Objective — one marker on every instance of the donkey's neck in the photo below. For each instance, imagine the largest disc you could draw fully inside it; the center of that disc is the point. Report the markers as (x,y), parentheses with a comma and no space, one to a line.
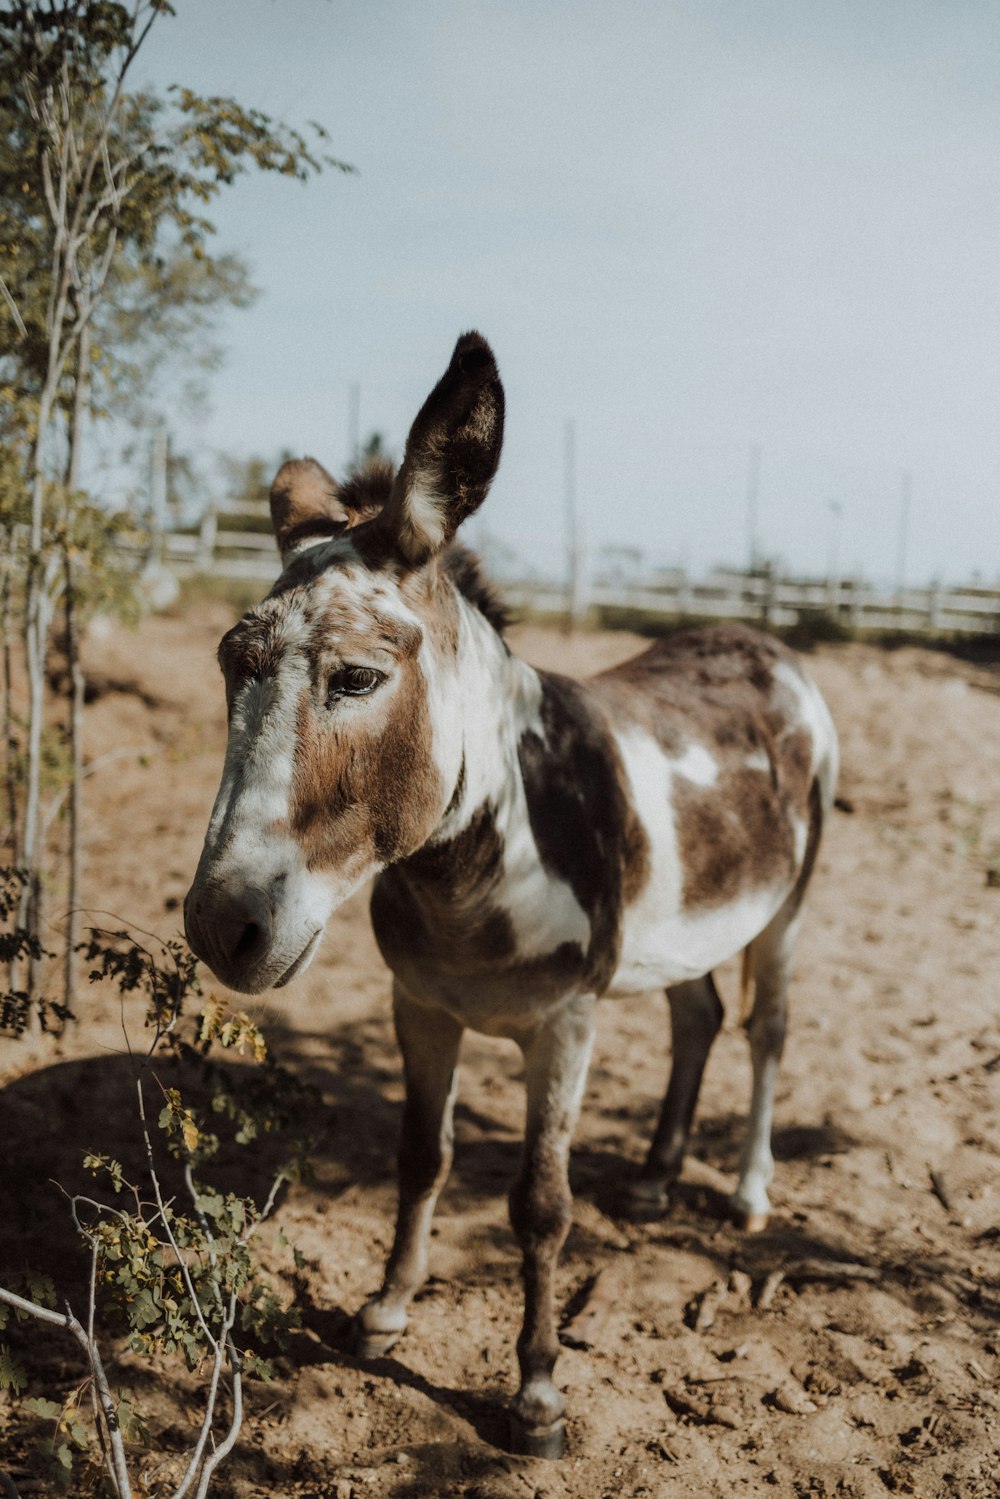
(491,701)
(480,899)
(521,882)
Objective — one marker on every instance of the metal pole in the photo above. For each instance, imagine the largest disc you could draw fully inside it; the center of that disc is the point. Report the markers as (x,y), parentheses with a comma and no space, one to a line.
(354,426)
(574,534)
(753,493)
(905,492)
(833,552)
(158,492)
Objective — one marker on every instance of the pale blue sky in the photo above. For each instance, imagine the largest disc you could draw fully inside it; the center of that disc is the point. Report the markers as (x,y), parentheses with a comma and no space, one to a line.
(689,226)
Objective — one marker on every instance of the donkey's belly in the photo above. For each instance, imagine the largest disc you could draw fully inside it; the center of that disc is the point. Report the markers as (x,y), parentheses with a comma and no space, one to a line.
(670,945)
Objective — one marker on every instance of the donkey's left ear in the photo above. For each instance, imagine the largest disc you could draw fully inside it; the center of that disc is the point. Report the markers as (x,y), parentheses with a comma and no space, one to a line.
(305,506)
(451,454)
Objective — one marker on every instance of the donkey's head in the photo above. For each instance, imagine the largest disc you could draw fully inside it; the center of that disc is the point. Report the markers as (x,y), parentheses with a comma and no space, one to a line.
(342,755)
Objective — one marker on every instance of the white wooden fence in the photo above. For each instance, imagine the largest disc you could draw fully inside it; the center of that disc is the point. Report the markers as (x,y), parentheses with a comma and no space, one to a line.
(778,601)
(761,598)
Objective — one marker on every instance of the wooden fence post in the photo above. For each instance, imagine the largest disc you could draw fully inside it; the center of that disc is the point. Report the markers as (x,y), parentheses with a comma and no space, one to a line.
(206,540)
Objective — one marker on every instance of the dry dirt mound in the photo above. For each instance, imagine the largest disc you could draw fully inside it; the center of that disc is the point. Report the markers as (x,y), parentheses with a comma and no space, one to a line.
(852,1349)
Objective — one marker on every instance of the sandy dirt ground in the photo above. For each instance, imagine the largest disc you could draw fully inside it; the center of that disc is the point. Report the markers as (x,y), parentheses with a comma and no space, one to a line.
(716,1364)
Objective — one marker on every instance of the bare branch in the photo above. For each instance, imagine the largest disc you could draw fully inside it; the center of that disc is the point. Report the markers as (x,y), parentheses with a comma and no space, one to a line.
(110,176)
(206,1227)
(32,1309)
(191,1472)
(91,1202)
(227,1445)
(91,1308)
(12,306)
(95,154)
(50,197)
(267,1209)
(119,1465)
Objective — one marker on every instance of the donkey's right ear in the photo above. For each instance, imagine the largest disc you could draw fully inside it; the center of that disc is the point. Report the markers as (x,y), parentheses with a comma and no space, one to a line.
(451,454)
(305,505)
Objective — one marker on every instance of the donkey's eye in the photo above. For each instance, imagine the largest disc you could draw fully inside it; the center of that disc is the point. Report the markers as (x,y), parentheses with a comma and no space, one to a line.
(352,681)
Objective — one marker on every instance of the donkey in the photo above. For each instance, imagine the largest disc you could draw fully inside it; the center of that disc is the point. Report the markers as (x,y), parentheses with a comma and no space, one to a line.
(536,843)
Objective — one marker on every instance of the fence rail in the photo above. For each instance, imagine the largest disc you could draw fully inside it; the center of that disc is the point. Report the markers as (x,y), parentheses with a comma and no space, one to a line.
(968,609)
(781,602)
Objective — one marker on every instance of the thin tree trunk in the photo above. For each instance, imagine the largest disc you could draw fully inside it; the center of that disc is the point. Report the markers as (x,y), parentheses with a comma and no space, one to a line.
(37,614)
(10,743)
(77,681)
(36,639)
(36,962)
(77,685)
(84,229)
(37,610)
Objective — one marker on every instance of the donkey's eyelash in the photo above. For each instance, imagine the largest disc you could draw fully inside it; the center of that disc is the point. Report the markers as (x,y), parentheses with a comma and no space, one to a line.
(352,681)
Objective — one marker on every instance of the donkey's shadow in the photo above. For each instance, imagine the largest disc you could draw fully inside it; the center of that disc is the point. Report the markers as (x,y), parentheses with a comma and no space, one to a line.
(52,1119)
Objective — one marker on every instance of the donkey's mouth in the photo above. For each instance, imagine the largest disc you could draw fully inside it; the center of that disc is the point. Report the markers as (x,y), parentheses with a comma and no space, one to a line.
(300,962)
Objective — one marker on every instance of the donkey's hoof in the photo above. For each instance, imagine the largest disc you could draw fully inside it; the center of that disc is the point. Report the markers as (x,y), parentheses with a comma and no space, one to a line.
(755,1223)
(644,1200)
(537,1441)
(749,1221)
(373,1344)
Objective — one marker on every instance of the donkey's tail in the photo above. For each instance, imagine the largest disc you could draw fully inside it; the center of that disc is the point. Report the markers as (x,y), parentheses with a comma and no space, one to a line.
(746,985)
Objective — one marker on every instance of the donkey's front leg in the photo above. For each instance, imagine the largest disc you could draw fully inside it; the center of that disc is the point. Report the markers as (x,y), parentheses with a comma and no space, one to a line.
(556,1058)
(429,1039)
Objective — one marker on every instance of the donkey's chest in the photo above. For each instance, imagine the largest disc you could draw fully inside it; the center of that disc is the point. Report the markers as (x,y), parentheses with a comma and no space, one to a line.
(490,953)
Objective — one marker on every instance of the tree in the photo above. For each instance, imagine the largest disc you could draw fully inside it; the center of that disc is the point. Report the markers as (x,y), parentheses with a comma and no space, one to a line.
(103,200)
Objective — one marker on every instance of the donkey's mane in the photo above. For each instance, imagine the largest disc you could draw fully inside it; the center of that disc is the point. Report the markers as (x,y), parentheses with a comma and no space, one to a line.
(367,488)
(466,572)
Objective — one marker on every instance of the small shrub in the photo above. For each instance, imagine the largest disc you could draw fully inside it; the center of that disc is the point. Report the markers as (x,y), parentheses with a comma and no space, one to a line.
(177,1274)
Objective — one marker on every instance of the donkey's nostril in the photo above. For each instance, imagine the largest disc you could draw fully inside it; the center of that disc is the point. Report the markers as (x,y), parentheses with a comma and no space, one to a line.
(250,939)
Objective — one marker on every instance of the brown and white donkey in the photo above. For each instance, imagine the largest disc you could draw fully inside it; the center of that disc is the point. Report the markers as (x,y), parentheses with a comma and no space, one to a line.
(537,844)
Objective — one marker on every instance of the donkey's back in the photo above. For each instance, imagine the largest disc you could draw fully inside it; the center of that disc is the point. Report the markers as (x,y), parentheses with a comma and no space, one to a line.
(730,758)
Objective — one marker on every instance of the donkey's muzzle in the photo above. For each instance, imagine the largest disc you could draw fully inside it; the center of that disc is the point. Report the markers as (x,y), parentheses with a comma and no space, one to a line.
(233,934)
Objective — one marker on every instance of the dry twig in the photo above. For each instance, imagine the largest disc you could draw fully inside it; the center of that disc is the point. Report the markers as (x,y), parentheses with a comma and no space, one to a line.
(940,1189)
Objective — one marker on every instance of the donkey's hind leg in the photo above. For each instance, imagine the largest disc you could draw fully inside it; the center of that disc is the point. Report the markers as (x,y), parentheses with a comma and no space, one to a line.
(429,1039)
(771,955)
(695,1018)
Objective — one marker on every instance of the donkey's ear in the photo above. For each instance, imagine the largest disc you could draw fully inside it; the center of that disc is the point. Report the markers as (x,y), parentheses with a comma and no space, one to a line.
(305,504)
(451,454)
